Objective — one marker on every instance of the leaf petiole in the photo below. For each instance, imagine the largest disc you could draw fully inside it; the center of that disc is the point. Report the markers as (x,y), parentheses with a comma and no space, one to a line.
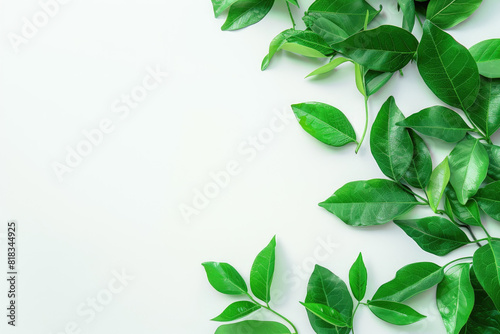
(456,260)
(291,15)
(267,307)
(366,125)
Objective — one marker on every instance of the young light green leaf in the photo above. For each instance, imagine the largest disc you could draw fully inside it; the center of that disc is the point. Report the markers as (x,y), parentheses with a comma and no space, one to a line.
(224,278)
(328,67)
(276,45)
(435,235)
(244,13)
(326,288)
(307,43)
(386,48)
(488,199)
(469,166)
(409,13)
(221,5)
(327,29)
(253,327)
(485,112)
(294,2)
(487,56)
(410,281)
(237,310)
(371,202)
(455,297)
(487,269)
(439,180)
(360,81)
(261,275)
(447,68)
(420,170)
(358,278)
(327,314)
(439,122)
(325,123)
(390,144)
(394,313)
(468,213)
(375,80)
(494,156)
(485,318)
(448,13)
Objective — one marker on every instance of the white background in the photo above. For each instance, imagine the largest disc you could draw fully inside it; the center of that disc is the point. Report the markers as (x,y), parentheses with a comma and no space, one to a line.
(119,208)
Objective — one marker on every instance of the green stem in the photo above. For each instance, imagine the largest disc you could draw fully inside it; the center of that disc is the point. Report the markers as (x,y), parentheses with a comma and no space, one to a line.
(486,231)
(366,125)
(408,190)
(420,21)
(477,242)
(456,260)
(267,307)
(353,314)
(291,15)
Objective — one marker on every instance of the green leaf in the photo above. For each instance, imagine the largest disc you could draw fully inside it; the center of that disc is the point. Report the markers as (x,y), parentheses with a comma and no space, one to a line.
(327,29)
(485,318)
(224,278)
(439,122)
(494,156)
(307,43)
(420,170)
(221,5)
(487,56)
(390,144)
(328,67)
(327,314)
(485,112)
(371,202)
(467,214)
(469,166)
(358,278)
(435,235)
(375,80)
(410,281)
(385,48)
(487,269)
(294,2)
(448,13)
(276,45)
(360,81)
(447,67)
(488,199)
(253,327)
(455,297)
(394,313)
(244,13)
(439,180)
(261,275)
(409,13)
(326,288)
(237,310)
(325,123)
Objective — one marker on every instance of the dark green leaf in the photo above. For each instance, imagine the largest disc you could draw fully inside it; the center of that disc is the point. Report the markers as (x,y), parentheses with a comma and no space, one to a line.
(246,12)
(487,56)
(439,122)
(253,327)
(370,202)
(494,167)
(487,269)
(327,29)
(435,235)
(307,43)
(468,165)
(326,288)
(327,314)
(439,180)
(467,214)
(225,279)
(261,275)
(375,80)
(386,48)
(447,67)
(329,67)
(410,281)
(221,5)
(420,170)
(488,199)
(390,144)
(485,318)
(236,311)
(358,278)
(448,13)
(325,123)
(394,313)
(408,8)
(276,45)
(485,112)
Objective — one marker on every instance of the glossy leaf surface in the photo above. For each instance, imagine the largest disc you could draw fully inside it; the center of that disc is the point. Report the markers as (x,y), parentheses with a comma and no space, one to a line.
(487,269)
(327,314)
(224,278)
(488,199)
(253,327)
(244,13)
(394,313)
(487,56)
(419,172)
(358,278)
(437,184)
(237,310)
(485,112)
(261,275)
(448,13)
(468,213)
